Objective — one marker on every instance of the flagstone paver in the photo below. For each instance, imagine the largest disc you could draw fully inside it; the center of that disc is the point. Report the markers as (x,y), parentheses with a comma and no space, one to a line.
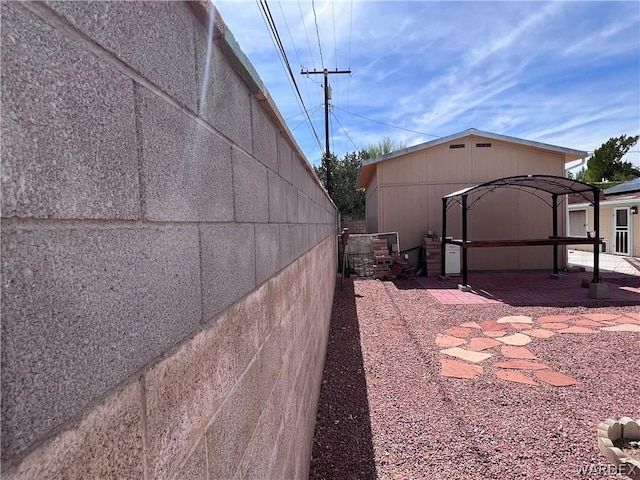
(511,346)
(491,326)
(556,379)
(470,325)
(588,323)
(456,369)
(555,326)
(520,365)
(577,329)
(478,344)
(625,327)
(460,332)
(540,333)
(449,341)
(515,319)
(522,326)
(555,318)
(601,316)
(495,333)
(467,355)
(518,339)
(628,320)
(515,376)
(517,352)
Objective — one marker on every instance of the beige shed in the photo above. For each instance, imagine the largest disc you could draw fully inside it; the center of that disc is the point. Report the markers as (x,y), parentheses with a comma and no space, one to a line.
(404,191)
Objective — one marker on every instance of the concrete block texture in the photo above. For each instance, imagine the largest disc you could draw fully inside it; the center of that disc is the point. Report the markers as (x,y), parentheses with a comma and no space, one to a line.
(195,467)
(82,309)
(265,137)
(68,133)
(154,38)
(107,444)
(267,252)
(186,389)
(277,199)
(228,266)
(285,155)
(250,189)
(186,169)
(225,100)
(292,205)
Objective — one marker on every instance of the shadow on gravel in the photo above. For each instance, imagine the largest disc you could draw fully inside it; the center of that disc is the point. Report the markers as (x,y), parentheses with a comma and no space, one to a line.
(342,444)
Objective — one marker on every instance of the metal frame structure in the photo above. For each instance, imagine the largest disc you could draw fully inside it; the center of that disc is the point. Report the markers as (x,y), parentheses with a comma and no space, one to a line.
(555,186)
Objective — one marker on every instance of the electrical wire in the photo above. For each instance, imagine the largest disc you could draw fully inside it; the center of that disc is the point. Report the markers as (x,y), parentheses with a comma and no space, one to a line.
(389,125)
(306,86)
(345,132)
(304,26)
(275,36)
(315,19)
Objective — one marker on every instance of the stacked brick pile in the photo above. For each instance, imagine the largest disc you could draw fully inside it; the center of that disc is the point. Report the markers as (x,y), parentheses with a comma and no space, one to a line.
(381,258)
(433,255)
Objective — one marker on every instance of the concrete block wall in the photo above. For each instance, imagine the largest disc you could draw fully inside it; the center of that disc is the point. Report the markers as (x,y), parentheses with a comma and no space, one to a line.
(168,255)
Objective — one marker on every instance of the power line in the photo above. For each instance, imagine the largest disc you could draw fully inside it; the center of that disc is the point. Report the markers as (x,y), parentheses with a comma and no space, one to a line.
(306,35)
(271,26)
(315,19)
(345,132)
(388,125)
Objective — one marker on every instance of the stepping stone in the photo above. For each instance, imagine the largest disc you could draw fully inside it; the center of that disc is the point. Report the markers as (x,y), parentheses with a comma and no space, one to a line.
(460,332)
(520,365)
(522,326)
(588,323)
(470,325)
(449,341)
(600,316)
(556,379)
(479,343)
(577,330)
(515,339)
(555,326)
(633,315)
(628,320)
(625,327)
(467,355)
(490,326)
(540,333)
(515,319)
(515,376)
(453,368)
(494,334)
(555,318)
(517,352)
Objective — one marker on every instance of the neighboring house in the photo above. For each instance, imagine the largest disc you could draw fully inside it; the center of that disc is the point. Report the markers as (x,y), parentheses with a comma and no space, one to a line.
(619,222)
(404,191)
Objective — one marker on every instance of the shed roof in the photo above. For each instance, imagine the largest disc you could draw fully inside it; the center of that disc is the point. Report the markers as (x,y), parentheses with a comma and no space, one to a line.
(626,187)
(367,169)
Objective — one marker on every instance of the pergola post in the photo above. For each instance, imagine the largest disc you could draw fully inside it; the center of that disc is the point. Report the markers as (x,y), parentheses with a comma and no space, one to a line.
(443,272)
(465,285)
(554,201)
(596,246)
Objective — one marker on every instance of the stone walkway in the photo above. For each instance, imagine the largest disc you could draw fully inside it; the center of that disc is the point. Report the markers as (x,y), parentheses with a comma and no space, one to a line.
(471,344)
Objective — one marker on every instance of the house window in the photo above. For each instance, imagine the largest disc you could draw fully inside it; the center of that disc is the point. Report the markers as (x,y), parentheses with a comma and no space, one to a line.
(483,145)
(457,145)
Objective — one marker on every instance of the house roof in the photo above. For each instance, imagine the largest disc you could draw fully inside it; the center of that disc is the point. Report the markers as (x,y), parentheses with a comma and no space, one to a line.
(626,187)
(367,168)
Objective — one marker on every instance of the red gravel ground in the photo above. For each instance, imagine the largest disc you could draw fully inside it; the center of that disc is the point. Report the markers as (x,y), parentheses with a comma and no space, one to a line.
(386,412)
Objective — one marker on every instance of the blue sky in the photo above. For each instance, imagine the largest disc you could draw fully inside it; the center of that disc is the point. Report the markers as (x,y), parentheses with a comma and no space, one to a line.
(565,73)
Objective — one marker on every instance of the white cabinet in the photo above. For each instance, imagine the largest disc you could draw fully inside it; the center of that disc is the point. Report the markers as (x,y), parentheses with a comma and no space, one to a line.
(452,259)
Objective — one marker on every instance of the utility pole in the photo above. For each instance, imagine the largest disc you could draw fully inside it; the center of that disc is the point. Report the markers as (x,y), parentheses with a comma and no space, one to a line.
(327,98)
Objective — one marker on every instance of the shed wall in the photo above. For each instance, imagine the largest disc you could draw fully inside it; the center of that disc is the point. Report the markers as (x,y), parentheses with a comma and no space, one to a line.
(411,189)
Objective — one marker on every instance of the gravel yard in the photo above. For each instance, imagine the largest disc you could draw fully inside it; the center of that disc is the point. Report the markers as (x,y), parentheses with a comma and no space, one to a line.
(385,410)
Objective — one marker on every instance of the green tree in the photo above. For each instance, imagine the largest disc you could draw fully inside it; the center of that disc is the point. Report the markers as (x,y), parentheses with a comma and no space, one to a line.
(344,176)
(383,147)
(606,161)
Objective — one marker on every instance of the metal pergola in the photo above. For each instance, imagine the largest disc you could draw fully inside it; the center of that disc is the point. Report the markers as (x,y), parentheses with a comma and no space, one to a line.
(554,186)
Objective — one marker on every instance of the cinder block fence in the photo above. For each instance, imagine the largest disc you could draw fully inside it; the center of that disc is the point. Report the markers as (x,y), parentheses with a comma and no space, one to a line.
(168,255)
